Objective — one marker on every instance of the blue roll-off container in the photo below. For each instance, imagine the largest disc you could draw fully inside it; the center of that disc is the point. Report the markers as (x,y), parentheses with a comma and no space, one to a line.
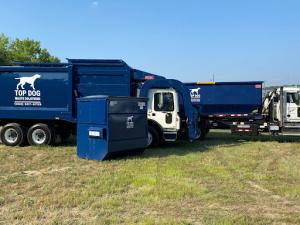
(110,126)
(212,98)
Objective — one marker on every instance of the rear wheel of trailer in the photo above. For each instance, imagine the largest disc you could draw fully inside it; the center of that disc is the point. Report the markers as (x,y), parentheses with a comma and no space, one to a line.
(40,134)
(13,134)
(203,128)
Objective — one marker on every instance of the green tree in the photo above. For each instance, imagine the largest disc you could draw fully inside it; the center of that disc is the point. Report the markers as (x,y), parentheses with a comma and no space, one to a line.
(4,50)
(26,50)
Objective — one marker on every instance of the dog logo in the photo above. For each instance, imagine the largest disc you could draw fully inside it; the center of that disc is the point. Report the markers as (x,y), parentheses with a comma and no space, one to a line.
(195,92)
(27,80)
(195,96)
(130,123)
(27,96)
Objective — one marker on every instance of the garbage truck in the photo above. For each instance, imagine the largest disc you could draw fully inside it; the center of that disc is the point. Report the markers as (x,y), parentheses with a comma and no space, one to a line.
(38,100)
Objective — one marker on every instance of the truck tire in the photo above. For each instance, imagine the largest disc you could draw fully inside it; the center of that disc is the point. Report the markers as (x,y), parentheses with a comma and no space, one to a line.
(40,134)
(13,134)
(0,133)
(203,130)
(202,135)
(153,137)
(207,130)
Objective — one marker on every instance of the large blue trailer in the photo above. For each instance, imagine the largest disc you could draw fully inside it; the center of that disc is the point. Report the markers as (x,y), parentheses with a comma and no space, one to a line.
(38,101)
(226,102)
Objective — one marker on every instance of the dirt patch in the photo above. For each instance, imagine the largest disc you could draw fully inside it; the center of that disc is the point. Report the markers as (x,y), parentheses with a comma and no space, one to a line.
(44,171)
(293,206)
(33,173)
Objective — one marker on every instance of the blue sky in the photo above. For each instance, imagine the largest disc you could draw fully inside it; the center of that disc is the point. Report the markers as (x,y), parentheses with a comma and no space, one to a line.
(192,40)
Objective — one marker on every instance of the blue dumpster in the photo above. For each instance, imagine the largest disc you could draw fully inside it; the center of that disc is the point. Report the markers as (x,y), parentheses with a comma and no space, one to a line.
(108,126)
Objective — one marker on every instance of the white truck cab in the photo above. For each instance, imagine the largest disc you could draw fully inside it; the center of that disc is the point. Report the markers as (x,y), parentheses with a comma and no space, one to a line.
(289,110)
(292,96)
(280,114)
(163,109)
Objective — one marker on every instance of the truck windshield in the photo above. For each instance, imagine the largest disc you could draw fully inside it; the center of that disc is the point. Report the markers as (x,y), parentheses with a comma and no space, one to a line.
(292,97)
(163,102)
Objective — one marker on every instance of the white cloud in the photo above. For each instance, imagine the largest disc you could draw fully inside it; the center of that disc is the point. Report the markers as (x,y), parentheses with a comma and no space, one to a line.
(95,4)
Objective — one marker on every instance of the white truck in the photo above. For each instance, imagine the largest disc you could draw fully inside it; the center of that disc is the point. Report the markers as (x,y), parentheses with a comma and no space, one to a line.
(280,114)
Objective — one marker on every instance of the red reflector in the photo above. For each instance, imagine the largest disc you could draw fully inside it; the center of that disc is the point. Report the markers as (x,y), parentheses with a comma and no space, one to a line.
(149,77)
(257,85)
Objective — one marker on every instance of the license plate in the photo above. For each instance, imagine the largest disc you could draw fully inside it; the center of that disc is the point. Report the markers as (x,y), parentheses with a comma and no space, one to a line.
(243,126)
(274,128)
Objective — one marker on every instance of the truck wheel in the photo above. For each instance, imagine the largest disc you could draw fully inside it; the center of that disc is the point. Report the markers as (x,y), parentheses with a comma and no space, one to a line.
(203,130)
(207,130)
(203,134)
(13,134)
(40,134)
(0,133)
(153,137)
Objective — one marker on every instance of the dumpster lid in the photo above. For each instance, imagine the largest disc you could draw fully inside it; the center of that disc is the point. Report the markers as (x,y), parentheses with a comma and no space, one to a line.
(91,97)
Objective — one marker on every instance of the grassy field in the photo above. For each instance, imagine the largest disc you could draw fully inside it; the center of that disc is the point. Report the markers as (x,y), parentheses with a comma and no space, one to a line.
(222,180)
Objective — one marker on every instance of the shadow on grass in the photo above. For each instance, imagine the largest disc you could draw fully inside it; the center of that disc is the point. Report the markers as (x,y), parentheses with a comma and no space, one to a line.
(215,138)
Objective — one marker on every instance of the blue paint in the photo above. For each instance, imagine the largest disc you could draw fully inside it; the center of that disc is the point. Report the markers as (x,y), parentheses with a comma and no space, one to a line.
(60,84)
(111,125)
(228,97)
(49,98)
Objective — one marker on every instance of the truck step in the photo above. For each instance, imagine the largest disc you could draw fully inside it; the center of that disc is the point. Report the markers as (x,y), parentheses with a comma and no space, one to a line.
(291,130)
(170,136)
(291,134)
(292,127)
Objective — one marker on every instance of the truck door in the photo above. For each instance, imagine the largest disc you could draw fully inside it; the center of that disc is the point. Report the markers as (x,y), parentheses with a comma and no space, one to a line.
(292,107)
(163,108)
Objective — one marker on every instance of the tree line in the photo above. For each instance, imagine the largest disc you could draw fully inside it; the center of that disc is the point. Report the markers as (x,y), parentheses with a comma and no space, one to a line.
(23,50)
